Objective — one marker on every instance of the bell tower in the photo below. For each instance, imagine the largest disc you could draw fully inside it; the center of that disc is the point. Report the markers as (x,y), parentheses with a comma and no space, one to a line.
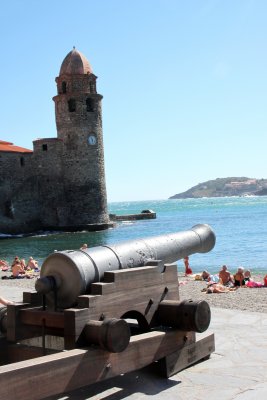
(79,126)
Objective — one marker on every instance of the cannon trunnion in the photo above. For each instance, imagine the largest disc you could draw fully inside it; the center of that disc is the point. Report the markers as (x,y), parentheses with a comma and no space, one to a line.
(122,319)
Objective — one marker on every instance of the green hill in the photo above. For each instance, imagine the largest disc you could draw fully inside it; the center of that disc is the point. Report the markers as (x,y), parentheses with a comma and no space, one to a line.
(222,187)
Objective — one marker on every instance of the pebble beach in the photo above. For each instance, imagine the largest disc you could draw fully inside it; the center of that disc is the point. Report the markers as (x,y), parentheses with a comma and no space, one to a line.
(244,299)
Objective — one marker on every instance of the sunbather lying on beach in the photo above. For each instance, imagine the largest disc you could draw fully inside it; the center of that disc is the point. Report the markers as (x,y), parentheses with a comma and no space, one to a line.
(253,284)
(218,288)
(4,265)
(206,276)
(250,283)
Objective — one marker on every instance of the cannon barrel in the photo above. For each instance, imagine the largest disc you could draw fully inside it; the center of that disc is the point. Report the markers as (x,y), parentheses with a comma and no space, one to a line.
(71,272)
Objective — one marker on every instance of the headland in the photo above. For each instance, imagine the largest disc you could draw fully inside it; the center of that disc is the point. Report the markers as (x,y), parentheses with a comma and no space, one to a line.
(226,187)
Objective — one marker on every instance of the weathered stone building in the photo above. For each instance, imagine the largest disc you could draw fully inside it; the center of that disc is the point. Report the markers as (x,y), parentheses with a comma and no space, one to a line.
(61,183)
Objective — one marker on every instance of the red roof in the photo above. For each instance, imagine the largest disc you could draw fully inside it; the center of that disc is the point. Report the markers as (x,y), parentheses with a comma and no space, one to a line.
(8,146)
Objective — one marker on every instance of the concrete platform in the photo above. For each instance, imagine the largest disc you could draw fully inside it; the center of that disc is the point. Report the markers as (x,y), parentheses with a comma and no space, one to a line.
(237,370)
(12,293)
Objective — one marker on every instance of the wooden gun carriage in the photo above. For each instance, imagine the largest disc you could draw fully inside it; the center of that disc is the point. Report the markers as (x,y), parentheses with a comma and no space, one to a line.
(101,312)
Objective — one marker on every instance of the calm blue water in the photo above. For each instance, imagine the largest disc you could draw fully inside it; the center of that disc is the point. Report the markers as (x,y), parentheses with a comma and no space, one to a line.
(240,225)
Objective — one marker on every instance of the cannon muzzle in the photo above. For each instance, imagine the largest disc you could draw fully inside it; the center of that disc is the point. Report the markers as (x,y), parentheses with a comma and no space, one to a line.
(71,272)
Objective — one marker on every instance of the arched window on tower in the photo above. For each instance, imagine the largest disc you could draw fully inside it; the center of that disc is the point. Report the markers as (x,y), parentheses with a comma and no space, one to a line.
(64,87)
(90,106)
(72,105)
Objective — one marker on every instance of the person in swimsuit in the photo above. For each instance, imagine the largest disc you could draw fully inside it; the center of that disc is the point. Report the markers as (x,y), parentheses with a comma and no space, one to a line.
(247,276)
(4,265)
(239,277)
(32,264)
(17,270)
(219,288)
(225,277)
(187,269)
(206,276)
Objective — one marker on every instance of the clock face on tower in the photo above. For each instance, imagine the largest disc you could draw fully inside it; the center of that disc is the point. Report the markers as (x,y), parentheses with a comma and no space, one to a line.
(92,140)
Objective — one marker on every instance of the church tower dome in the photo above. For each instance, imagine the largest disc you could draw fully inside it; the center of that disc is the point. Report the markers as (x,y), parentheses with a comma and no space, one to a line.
(75,63)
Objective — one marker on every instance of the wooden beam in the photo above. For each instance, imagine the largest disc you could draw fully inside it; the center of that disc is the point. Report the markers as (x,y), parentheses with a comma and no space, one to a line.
(74,323)
(33,298)
(21,352)
(36,316)
(72,369)
(188,355)
(3,351)
(15,329)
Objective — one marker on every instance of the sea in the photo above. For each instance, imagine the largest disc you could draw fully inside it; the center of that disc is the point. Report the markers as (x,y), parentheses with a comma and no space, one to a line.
(239,223)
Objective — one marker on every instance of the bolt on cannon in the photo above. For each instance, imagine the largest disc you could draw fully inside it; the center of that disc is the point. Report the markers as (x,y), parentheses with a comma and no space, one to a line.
(106,306)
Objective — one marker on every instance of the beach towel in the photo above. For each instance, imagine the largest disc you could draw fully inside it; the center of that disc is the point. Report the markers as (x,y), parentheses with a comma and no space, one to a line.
(252,284)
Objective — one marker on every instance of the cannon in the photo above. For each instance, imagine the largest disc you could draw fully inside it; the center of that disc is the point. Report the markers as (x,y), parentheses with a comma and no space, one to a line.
(71,272)
(105,311)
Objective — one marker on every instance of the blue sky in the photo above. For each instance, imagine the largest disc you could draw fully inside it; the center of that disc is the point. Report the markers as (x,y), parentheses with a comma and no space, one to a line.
(184,85)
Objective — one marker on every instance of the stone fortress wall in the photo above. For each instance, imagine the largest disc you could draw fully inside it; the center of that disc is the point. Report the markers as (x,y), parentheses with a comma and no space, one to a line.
(61,183)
